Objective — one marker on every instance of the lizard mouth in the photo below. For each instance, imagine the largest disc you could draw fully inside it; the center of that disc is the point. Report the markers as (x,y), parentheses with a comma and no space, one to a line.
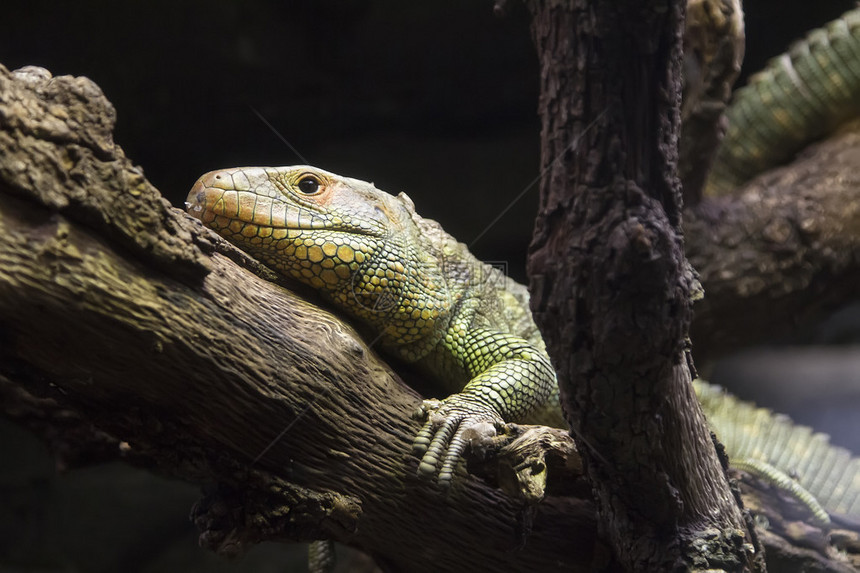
(248,212)
(208,203)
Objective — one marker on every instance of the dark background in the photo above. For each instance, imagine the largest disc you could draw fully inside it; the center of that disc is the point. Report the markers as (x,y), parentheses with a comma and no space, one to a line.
(437,99)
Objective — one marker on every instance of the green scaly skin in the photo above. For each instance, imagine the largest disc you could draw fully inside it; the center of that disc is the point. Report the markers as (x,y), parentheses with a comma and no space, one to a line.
(799,97)
(431,301)
(770,446)
(434,304)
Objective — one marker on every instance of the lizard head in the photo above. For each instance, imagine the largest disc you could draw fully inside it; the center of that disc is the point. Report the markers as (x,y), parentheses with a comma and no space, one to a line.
(349,240)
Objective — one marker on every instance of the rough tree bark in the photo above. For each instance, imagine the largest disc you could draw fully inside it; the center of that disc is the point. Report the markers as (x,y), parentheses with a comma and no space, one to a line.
(785,258)
(158,343)
(120,308)
(612,291)
(713,52)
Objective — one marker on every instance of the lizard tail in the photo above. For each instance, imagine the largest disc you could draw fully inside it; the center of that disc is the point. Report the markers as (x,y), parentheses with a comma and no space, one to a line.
(757,436)
(799,97)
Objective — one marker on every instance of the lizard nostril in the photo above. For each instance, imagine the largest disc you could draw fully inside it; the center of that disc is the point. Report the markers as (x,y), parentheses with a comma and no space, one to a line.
(196,201)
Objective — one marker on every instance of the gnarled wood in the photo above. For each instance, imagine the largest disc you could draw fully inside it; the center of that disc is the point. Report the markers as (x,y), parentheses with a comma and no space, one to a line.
(162,345)
(713,52)
(781,252)
(612,292)
(212,372)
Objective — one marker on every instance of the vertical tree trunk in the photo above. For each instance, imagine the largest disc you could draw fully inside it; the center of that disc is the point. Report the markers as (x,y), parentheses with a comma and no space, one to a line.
(611,289)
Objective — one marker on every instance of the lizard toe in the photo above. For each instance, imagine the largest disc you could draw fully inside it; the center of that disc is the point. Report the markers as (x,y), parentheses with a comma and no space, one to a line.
(456,448)
(444,438)
(437,447)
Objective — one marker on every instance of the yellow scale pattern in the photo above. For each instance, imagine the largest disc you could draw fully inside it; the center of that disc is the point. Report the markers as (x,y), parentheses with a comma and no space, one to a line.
(373,256)
(370,254)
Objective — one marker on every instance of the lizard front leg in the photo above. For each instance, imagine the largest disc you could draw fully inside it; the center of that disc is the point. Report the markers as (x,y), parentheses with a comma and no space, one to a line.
(509,378)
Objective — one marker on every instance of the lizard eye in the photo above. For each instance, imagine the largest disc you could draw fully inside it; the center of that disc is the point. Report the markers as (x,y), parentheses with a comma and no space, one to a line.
(309,184)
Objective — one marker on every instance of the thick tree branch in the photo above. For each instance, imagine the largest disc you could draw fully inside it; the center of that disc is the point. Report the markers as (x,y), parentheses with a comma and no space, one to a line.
(125,322)
(612,292)
(782,252)
(119,306)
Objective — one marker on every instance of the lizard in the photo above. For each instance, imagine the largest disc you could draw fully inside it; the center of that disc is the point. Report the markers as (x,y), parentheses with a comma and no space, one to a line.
(431,302)
(801,95)
(434,304)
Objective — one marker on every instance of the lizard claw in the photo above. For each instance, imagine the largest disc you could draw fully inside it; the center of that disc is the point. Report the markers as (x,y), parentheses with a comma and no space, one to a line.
(426,408)
(452,425)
